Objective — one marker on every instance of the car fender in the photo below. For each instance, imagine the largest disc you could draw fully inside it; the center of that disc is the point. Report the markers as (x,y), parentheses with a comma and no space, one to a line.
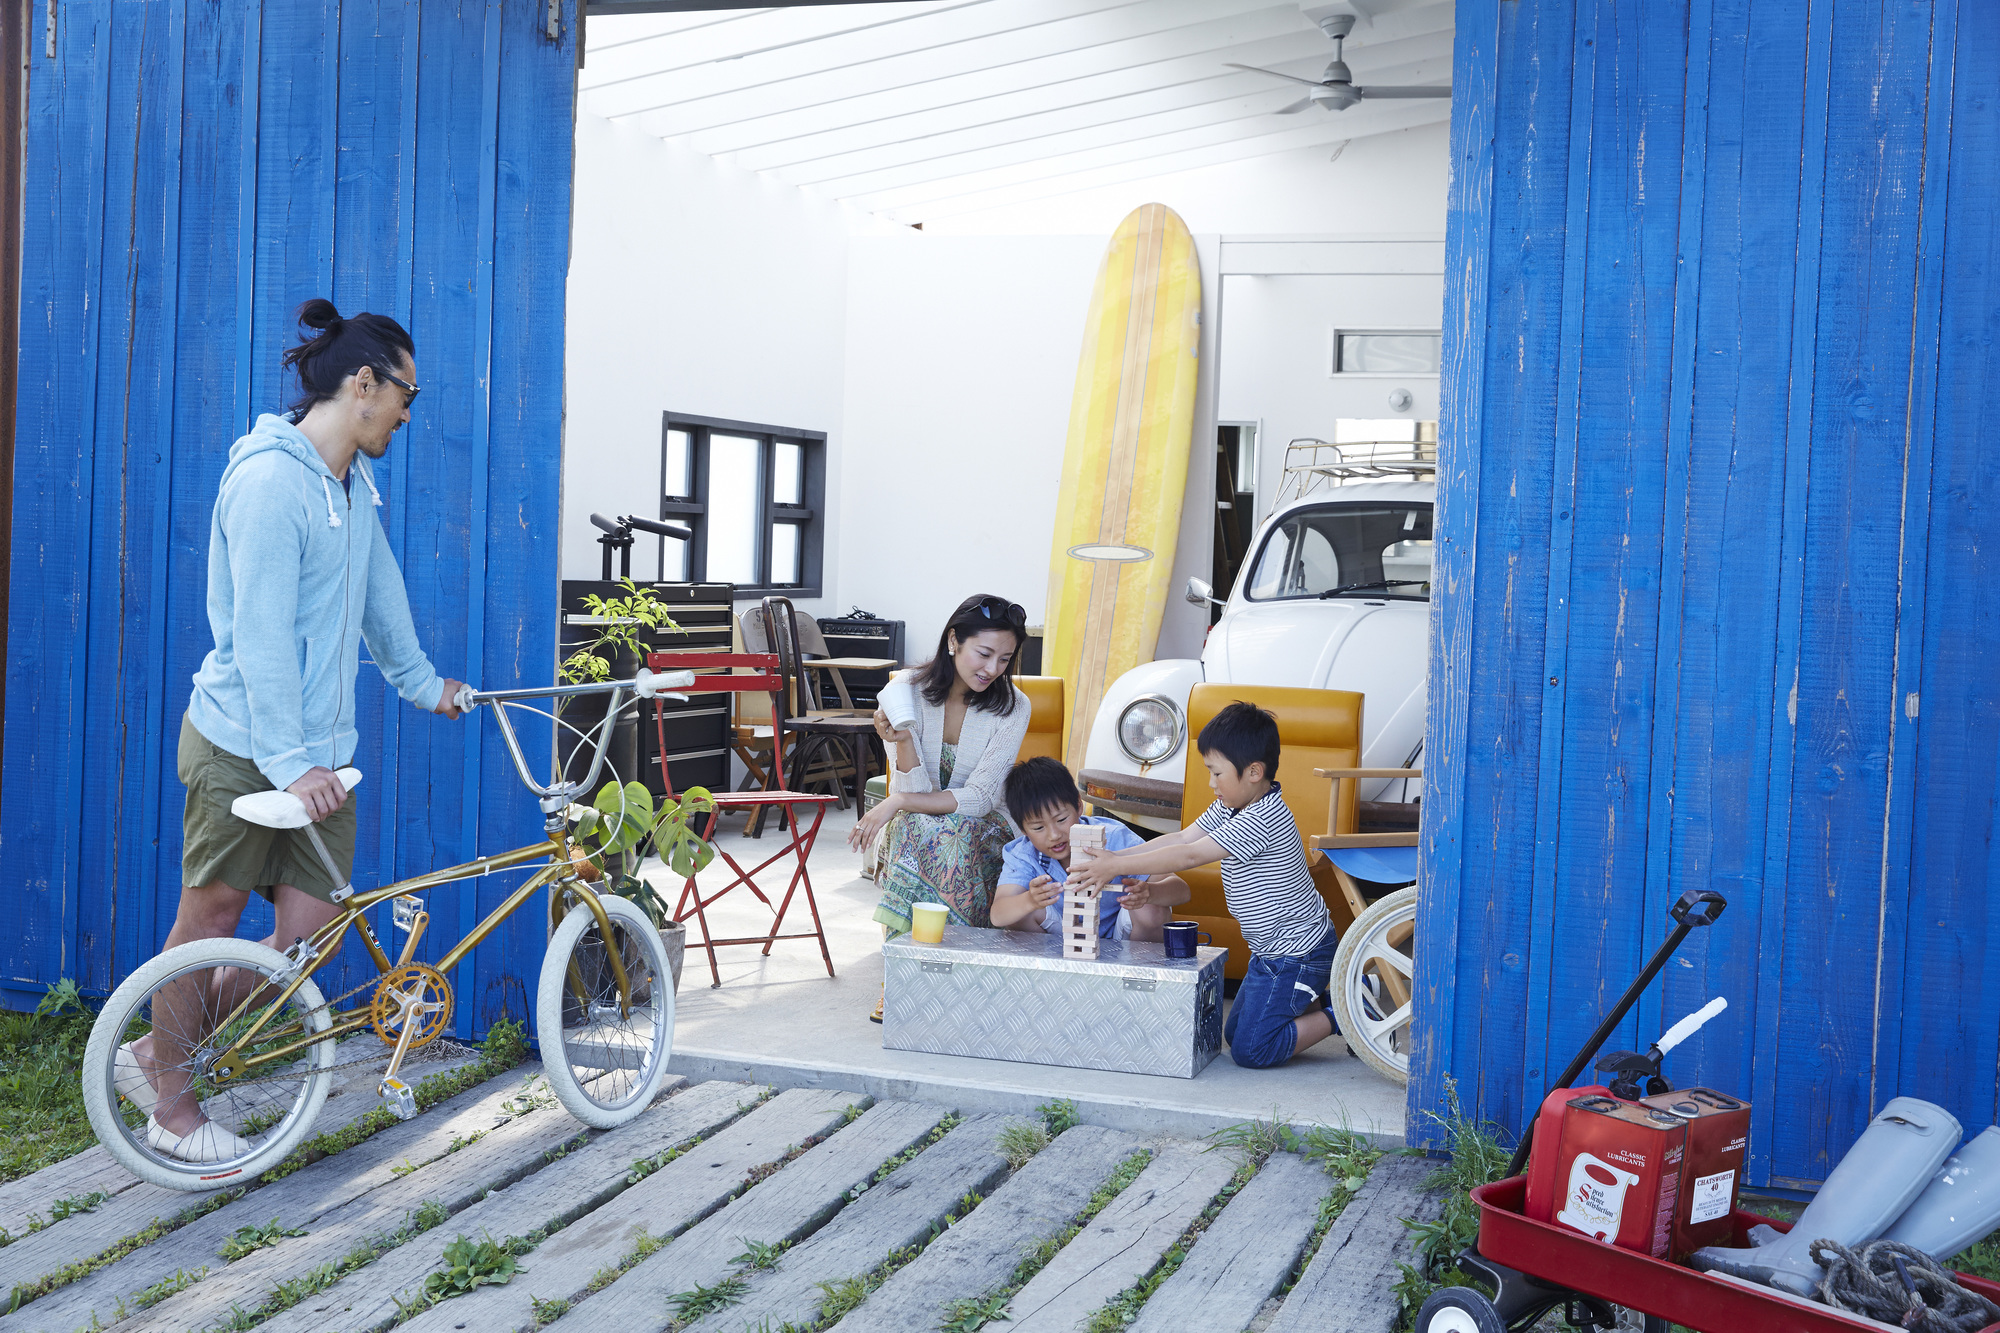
(1172,679)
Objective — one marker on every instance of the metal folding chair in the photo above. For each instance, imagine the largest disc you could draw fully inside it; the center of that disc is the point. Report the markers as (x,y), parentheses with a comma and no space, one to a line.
(798,845)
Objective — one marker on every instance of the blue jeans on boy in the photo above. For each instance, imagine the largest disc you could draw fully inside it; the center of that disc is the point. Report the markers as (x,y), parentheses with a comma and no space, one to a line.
(1275,991)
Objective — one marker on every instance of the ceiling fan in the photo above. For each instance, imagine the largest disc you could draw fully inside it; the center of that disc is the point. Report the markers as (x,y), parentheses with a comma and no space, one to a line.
(1335,90)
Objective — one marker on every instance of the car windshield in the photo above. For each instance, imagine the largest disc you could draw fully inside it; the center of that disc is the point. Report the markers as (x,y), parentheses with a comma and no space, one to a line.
(1347,550)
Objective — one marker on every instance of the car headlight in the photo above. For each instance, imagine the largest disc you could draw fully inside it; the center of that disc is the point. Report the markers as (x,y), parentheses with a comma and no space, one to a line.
(1149,729)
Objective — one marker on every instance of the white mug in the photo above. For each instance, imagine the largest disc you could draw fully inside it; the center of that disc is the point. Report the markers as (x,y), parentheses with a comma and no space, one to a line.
(898,699)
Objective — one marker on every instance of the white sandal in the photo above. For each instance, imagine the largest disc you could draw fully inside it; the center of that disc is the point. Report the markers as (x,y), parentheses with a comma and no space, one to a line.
(129,1079)
(209,1143)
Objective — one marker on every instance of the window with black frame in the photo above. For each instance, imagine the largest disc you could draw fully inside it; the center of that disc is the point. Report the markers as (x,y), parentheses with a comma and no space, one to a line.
(755,497)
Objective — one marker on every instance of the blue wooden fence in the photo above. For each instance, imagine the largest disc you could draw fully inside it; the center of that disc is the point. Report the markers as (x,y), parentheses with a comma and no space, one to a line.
(1720,566)
(194,171)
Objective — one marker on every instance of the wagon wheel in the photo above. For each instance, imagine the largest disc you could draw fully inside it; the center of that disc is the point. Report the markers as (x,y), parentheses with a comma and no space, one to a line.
(1459,1310)
(1372,973)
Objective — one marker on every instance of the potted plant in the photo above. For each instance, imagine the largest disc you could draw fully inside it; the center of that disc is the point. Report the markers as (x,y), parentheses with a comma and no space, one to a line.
(617,651)
(621,820)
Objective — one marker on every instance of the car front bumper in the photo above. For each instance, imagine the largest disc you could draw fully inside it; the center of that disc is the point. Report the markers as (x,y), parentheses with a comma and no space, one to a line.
(1124,794)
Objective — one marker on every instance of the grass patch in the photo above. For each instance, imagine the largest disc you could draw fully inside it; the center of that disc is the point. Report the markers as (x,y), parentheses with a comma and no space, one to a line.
(247,1240)
(285,1295)
(471,1264)
(692,1304)
(42,1119)
(1477,1158)
(1059,1116)
(1019,1144)
(24,1292)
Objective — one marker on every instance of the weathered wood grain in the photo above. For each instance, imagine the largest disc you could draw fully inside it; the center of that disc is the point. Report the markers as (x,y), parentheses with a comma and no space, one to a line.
(297,1200)
(664,1204)
(981,1252)
(1125,1242)
(901,1211)
(1349,1287)
(778,1210)
(1245,1255)
(94,1169)
(373,1297)
(517,1148)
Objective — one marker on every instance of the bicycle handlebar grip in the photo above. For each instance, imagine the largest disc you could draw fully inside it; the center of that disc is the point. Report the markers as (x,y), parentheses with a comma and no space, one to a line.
(648,683)
(1686,910)
(466,700)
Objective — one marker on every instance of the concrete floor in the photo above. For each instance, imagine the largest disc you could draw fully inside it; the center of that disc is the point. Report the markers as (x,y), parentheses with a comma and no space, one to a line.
(782,1020)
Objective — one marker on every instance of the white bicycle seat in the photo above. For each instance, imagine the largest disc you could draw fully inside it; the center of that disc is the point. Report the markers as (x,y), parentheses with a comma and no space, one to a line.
(281,809)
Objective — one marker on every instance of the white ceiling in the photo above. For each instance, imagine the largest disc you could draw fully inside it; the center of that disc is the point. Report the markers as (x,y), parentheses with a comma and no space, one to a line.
(928,108)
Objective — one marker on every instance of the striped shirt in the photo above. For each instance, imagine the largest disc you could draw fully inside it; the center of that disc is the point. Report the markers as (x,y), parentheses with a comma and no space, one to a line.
(1265,882)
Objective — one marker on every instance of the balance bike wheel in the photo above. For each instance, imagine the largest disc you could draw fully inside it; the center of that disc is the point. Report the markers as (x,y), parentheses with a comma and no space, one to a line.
(1375,960)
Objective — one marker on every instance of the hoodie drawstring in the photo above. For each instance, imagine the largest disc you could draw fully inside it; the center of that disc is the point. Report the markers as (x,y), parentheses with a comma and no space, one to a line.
(326,489)
(368,479)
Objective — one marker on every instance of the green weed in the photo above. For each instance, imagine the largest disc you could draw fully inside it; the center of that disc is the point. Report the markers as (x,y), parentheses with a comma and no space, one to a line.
(181,1280)
(841,1298)
(691,1305)
(547,1311)
(757,1254)
(251,1238)
(1020,1143)
(42,1119)
(1477,1158)
(470,1264)
(969,1313)
(1059,1116)
(24,1292)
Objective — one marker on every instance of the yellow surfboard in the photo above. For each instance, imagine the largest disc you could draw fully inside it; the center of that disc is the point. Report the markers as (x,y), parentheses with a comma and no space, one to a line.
(1126,463)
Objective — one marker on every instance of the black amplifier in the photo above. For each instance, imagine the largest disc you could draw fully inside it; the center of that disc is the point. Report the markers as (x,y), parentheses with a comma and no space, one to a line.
(861,636)
(698,730)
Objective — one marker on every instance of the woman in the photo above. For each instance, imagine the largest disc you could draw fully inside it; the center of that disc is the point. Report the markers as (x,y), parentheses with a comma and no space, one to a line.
(942,823)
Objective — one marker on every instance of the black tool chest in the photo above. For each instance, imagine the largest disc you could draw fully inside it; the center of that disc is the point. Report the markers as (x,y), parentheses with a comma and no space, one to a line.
(697,731)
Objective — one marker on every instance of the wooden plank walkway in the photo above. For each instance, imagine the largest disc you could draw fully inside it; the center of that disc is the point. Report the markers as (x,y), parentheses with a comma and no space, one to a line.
(664,1204)
(297,1200)
(779,1210)
(726,1165)
(981,1253)
(1245,1255)
(372,1298)
(1123,1244)
(900,1212)
(1350,1285)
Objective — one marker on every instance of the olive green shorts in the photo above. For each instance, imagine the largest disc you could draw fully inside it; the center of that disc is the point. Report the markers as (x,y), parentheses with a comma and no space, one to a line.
(219,846)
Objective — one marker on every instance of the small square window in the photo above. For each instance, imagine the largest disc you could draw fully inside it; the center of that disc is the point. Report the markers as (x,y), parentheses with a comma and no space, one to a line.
(788,473)
(785,554)
(678,476)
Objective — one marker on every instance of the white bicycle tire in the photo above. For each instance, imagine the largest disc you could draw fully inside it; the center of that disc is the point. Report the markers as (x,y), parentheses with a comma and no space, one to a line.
(549,1009)
(100,1100)
(1366,940)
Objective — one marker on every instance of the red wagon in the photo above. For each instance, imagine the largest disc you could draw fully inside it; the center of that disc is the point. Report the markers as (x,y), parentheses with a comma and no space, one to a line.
(1534,1267)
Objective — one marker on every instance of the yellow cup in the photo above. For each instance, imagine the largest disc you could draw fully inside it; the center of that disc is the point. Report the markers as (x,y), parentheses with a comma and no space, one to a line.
(927,923)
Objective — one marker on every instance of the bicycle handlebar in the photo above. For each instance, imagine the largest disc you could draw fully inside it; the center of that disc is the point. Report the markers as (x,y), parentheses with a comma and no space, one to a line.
(646,685)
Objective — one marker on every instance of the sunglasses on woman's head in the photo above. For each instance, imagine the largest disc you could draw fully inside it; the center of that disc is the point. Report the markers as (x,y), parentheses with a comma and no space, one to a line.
(999,608)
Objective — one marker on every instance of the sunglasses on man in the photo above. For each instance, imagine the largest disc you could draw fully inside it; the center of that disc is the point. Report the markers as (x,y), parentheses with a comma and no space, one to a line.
(410,390)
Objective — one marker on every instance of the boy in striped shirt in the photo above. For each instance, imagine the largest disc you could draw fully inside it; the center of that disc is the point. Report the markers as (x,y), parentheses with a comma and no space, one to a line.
(1280,1009)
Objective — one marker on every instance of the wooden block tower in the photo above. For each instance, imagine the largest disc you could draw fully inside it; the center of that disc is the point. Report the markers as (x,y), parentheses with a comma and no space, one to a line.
(1079,905)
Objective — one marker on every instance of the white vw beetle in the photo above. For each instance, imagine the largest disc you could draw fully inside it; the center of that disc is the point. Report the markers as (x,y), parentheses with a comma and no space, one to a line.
(1334,594)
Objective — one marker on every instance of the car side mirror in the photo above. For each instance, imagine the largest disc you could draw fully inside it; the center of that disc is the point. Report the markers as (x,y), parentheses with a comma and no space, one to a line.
(1200,593)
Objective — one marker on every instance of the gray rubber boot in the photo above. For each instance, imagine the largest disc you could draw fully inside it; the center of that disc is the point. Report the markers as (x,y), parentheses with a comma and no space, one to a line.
(1882,1174)
(1961,1205)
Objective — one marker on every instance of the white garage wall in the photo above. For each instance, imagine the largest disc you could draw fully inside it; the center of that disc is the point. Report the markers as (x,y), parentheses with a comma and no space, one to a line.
(695,287)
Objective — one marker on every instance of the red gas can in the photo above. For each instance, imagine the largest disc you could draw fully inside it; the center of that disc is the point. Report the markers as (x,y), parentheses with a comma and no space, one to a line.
(1544,1190)
(1619,1167)
(1718,1135)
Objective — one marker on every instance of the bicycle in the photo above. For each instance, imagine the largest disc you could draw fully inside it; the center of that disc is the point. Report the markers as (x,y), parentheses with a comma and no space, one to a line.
(242,1027)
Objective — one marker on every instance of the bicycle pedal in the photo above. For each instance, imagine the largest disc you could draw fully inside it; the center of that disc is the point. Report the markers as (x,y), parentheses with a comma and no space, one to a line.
(396,1095)
(405,910)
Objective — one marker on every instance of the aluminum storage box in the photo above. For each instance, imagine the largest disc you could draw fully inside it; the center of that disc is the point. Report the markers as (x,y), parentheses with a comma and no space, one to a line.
(1011,995)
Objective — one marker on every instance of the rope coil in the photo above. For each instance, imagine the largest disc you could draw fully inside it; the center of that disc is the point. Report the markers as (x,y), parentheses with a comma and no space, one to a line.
(1899,1284)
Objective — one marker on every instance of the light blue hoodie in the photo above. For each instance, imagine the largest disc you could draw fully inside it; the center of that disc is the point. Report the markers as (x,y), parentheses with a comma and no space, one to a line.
(298,575)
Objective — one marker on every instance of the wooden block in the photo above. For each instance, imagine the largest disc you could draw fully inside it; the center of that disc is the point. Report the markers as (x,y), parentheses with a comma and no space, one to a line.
(369,1299)
(1124,1243)
(1350,1285)
(899,1212)
(782,1209)
(297,1200)
(516,1149)
(665,1203)
(1245,1255)
(981,1252)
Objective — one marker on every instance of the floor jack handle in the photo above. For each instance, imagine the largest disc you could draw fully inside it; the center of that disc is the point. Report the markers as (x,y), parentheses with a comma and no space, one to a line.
(1697,907)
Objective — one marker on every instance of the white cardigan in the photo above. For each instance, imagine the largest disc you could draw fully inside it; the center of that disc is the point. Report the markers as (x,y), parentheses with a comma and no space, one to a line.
(988,745)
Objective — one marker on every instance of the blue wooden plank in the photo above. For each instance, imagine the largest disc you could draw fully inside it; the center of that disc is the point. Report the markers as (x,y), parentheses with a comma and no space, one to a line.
(1468,259)
(1950,979)
(251,90)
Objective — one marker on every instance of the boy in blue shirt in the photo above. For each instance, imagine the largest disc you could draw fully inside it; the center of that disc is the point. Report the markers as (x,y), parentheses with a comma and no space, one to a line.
(1044,801)
(1279,1011)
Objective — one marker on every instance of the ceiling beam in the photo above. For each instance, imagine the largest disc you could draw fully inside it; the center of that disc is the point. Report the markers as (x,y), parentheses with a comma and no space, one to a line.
(609,8)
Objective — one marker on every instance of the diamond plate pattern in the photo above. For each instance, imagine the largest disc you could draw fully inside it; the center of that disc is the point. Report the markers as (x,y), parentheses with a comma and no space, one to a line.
(1011,995)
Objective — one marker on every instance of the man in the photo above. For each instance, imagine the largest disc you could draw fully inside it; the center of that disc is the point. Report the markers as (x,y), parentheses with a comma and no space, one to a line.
(299,572)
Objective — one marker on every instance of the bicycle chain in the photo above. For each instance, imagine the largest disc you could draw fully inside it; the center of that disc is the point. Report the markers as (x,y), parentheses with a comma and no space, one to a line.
(323,1006)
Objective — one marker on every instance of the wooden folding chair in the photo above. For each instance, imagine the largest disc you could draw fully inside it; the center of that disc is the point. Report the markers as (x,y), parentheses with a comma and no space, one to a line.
(1377,858)
(693,903)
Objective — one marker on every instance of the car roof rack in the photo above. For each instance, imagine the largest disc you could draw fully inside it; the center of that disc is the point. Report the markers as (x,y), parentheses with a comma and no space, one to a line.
(1314,465)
